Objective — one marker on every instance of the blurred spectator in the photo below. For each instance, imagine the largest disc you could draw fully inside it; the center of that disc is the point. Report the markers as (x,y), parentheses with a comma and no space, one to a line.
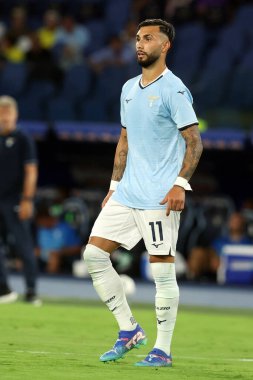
(212,12)
(70,42)
(41,62)
(142,9)
(204,261)
(10,50)
(18,30)
(58,243)
(47,33)
(129,34)
(172,5)
(116,53)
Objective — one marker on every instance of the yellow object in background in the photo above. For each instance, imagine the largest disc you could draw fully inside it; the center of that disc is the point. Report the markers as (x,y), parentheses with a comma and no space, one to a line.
(14,54)
(46,37)
(203,125)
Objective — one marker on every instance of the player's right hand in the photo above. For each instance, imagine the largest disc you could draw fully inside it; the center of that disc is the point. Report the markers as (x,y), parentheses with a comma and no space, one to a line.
(108,196)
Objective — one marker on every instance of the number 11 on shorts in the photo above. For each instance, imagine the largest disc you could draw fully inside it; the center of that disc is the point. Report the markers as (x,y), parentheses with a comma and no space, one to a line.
(156,227)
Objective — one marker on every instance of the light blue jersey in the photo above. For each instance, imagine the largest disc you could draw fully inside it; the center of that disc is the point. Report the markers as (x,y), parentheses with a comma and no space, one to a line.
(153,117)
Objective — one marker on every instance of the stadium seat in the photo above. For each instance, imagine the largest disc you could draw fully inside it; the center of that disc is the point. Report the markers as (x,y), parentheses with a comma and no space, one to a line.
(211,89)
(96,28)
(115,75)
(240,90)
(116,14)
(31,109)
(93,109)
(61,108)
(227,39)
(33,103)
(189,46)
(13,79)
(244,16)
(77,82)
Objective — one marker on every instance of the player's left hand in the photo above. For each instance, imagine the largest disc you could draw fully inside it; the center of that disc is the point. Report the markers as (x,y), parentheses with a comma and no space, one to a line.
(175,199)
(25,209)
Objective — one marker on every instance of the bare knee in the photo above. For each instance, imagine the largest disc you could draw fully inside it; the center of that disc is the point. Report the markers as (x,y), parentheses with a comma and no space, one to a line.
(161,259)
(106,245)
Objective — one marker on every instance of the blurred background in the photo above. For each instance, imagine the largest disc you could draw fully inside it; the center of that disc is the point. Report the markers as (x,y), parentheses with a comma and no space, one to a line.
(65,63)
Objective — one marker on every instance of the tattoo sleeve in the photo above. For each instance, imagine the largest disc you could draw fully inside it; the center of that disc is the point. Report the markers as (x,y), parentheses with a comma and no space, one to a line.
(120,156)
(193,151)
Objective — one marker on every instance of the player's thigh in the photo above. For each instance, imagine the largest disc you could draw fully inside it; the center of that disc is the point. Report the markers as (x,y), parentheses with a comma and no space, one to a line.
(160,232)
(115,226)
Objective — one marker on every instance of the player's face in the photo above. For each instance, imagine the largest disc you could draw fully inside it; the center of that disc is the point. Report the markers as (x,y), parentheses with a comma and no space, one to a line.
(8,118)
(151,44)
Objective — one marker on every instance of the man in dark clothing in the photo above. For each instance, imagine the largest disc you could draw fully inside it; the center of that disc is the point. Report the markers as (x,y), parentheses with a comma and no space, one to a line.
(18,168)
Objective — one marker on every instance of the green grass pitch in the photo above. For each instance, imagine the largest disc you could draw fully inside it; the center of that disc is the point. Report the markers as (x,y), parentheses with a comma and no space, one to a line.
(63,340)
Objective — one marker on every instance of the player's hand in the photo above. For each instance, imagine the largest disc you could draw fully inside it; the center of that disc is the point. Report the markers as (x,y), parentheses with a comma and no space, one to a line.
(175,199)
(109,194)
(25,209)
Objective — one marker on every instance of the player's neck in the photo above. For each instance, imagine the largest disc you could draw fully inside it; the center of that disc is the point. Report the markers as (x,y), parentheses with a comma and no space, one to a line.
(150,74)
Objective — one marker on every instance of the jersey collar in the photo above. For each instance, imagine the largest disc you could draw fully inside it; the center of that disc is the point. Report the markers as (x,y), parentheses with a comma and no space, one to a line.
(155,80)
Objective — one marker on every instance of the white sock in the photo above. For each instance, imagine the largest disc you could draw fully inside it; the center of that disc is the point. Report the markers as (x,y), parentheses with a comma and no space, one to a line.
(166,302)
(109,286)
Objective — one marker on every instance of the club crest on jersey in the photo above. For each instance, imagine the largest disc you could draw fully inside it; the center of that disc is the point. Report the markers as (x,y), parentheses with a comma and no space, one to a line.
(152,100)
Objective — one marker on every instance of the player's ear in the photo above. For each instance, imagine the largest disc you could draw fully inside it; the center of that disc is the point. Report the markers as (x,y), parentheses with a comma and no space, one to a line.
(166,46)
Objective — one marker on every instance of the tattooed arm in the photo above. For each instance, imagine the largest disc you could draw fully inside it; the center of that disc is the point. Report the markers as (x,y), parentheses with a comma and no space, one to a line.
(175,198)
(120,156)
(193,152)
(119,161)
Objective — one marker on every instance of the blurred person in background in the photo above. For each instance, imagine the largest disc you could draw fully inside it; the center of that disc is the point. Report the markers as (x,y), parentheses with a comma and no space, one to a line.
(71,40)
(15,39)
(158,151)
(128,35)
(47,33)
(10,49)
(18,168)
(58,244)
(41,62)
(19,30)
(203,262)
(172,5)
(115,53)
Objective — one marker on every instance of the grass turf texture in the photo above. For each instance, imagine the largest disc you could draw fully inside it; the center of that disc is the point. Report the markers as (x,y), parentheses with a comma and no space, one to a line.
(64,341)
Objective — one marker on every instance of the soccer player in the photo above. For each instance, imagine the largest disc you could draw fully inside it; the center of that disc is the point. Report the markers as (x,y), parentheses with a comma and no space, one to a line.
(158,150)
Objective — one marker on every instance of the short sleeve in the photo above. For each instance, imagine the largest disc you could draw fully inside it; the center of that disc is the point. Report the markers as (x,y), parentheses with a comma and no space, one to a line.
(29,150)
(182,112)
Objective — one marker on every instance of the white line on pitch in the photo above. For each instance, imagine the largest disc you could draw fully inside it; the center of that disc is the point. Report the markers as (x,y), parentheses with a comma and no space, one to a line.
(208,358)
(250,360)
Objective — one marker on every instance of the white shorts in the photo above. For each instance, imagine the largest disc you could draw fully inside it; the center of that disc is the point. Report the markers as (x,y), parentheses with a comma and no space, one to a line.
(127,226)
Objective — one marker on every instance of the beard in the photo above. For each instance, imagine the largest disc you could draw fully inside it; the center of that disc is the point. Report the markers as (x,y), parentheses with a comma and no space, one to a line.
(150,60)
